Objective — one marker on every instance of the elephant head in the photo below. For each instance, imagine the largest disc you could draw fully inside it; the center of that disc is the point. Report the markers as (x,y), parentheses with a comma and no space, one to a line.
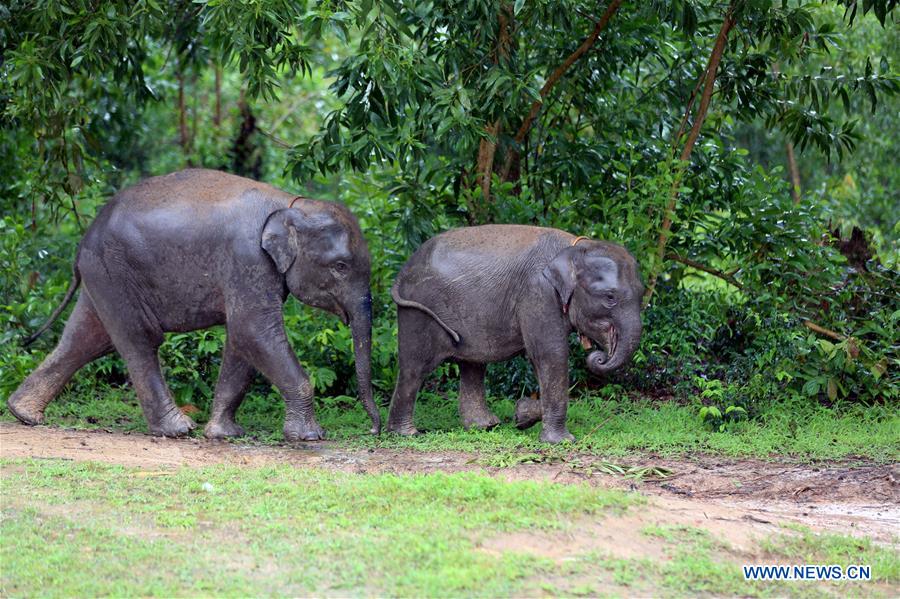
(600,290)
(320,250)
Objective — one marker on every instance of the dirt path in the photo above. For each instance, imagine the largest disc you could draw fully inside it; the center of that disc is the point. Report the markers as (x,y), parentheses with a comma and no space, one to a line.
(735,499)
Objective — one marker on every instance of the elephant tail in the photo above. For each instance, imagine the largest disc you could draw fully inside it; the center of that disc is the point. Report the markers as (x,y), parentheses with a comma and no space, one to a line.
(70,293)
(395,293)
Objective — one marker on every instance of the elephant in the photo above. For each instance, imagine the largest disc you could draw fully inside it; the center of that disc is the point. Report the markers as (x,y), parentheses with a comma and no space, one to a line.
(483,294)
(198,248)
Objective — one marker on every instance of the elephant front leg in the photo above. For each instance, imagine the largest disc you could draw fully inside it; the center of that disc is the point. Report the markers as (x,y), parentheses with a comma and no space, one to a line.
(262,341)
(234,379)
(473,410)
(551,364)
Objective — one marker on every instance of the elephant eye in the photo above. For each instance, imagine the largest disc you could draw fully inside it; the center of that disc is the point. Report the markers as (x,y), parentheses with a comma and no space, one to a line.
(341,266)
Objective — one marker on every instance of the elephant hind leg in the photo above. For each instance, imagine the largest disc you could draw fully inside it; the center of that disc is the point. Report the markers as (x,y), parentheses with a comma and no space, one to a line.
(235,377)
(528,412)
(473,410)
(83,340)
(136,336)
(419,339)
(164,418)
(403,402)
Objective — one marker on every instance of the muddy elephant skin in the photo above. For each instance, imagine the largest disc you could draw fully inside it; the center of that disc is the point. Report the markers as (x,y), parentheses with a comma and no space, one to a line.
(485,294)
(198,248)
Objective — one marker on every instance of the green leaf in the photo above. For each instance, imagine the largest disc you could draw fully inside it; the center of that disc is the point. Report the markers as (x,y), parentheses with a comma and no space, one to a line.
(831,389)
(828,347)
(811,387)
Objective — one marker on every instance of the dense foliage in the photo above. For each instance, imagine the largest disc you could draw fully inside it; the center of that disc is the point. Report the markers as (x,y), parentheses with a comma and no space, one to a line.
(661,125)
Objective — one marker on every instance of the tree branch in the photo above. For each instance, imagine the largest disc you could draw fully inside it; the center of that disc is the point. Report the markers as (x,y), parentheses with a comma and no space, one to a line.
(716,273)
(709,79)
(687,111)
(553,79)
(732,281)
(278,141)
(823,331)
(709,85)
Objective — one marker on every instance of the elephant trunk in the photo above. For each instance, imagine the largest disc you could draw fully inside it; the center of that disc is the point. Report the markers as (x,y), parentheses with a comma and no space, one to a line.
(620,343)
(361,329)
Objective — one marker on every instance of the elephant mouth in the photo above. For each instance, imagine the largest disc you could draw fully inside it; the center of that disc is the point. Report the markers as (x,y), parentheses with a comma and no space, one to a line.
(606,342)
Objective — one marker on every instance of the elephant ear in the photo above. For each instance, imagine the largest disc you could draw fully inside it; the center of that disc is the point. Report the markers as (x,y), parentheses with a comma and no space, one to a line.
(279,237)
(561,274)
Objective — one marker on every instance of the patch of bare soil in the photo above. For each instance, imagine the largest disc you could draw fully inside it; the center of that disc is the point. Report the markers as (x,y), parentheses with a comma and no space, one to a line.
(619,536)
(736,499)
(735,533)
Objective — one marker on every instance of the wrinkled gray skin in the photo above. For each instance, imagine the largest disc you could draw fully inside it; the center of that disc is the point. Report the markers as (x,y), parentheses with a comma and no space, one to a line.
(198,248)
(485,294)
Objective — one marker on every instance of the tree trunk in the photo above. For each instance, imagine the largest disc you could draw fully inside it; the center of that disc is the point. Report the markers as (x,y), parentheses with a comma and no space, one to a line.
(552,80)
(789,147)
(484,167)
(217,115)
(709,80)
(194,109)
(183,136)
(794,171)
(245,151)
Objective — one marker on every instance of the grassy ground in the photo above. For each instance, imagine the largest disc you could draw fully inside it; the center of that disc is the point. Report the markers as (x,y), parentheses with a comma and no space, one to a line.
(71,529)
(602,425)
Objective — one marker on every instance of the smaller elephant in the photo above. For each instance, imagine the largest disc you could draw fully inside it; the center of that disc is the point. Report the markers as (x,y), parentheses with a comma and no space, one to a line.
(486,294)
(199,248)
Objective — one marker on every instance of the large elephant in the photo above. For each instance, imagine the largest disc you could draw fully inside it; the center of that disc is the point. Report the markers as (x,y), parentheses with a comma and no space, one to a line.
(485,294)
(199,248)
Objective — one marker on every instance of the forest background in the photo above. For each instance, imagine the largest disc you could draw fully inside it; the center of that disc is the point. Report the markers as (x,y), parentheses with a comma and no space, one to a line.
(744,151)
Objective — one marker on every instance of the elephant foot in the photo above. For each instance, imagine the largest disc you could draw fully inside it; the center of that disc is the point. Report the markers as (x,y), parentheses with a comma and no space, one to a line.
(299,430)
(481,420)
(528,413)
(549,435)
(405,429)
(25,410)
(173,424)
(223,429)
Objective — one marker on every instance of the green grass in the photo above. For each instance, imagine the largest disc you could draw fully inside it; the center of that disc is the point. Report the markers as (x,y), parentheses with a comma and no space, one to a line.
(602,426)
(85,529)
(808,547)
(695,564)
(700,563)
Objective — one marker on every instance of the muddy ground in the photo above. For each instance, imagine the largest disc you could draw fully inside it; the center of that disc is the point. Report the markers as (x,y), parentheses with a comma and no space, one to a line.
(736,499)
